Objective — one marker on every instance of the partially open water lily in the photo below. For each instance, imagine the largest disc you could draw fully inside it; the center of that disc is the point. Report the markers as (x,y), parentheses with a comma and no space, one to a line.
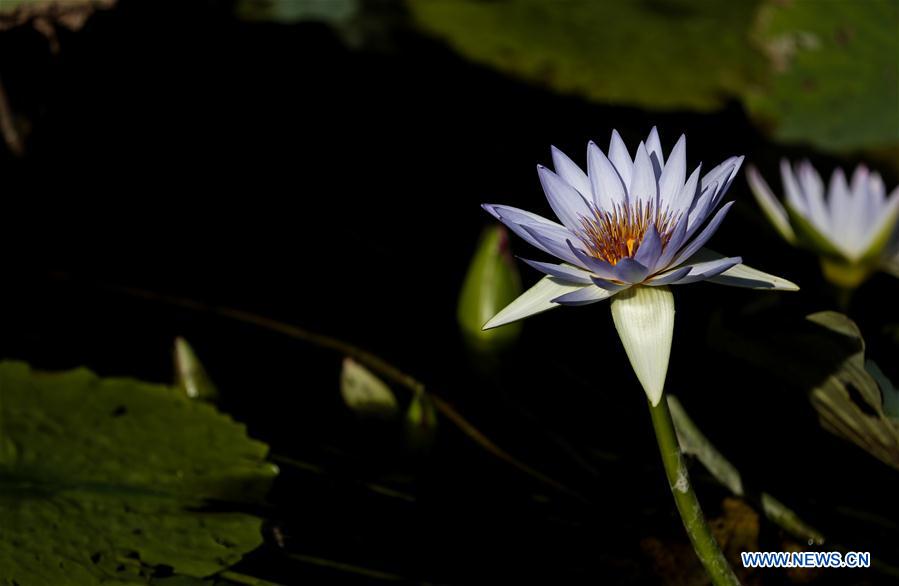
(851,224)
(629,225)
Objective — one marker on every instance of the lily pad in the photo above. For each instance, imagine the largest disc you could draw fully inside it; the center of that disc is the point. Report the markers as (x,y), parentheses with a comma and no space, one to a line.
(821,73)
(114,481)
(835,72)
(661,54)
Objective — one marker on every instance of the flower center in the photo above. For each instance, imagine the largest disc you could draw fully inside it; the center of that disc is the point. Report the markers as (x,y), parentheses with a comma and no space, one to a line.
(613,235)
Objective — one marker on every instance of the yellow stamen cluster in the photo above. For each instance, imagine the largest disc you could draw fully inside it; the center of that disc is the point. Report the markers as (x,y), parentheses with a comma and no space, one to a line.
(617,234)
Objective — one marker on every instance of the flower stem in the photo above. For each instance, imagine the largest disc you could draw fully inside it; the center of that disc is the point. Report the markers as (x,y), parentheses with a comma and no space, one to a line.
(704,544)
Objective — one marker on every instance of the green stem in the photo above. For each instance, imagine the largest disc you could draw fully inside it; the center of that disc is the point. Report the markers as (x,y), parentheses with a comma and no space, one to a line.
(707,549)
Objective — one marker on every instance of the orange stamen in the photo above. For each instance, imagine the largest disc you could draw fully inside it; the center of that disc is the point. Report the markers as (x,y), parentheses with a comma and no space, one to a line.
(613,235)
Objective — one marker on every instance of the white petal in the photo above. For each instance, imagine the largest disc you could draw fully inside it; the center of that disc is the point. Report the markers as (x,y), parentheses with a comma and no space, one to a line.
(743,275)
(571,173)
(687,194)
(813,188)
(643,187)
(854,225)
(674,173)
(566,202)
(795,196)
(607,187)
(879,233)
(721,173)
(535,300)
(619,157)
(839,201)
(644,318)
(772,208)
(654,148)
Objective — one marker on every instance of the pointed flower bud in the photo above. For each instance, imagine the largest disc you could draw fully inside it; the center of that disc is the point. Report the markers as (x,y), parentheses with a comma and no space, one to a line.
(492,283)
(190,376)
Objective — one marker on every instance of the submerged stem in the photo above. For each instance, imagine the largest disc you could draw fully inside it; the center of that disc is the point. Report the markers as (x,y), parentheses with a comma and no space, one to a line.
(704,544)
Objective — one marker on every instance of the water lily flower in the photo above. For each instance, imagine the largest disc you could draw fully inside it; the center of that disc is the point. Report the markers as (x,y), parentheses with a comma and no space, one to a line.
(629,226)
(852,224)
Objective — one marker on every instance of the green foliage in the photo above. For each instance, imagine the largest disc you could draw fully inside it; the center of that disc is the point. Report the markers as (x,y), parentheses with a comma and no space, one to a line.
(662,54)
(835,78)
(856,400)
(107,480)
(819,72)
(693,442)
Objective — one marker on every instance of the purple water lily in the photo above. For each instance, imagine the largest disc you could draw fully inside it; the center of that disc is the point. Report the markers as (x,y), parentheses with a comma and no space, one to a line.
(626,222)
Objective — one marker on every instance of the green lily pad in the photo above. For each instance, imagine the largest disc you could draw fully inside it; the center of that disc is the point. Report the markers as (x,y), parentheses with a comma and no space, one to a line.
(835,72)
(662,54)
(111,480)
(808,71)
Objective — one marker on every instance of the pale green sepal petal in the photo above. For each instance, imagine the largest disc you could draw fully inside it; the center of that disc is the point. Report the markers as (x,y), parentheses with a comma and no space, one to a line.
(891,266)
(644,318)
(535,300)
(809,236)
(883,233)
(743,275)
(190,376)
(772,208)
(365,393)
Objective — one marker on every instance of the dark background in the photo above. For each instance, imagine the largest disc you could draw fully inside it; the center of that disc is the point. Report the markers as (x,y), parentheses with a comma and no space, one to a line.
(177,150)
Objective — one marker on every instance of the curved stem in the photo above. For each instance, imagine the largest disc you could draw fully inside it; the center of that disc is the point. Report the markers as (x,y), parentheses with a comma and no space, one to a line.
(370,360)
(704,544)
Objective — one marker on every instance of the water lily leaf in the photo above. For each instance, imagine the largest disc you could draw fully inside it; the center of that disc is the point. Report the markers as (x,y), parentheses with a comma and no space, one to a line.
(793,64)
(617,52)
(830,57)
(849,401)
(826,354)
(693,442)
(365,393)
(110,480)
(889,392)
